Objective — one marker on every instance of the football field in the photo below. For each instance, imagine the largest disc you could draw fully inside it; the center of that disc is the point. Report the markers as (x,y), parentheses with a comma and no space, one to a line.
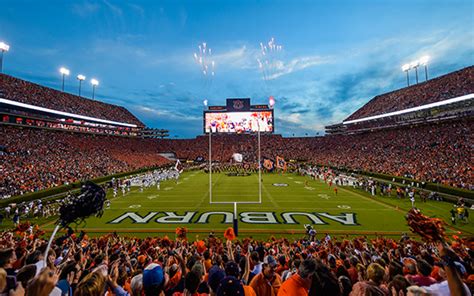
(288,202)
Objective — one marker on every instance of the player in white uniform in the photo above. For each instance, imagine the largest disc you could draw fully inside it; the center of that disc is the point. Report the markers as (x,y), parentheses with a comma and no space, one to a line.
(411,194)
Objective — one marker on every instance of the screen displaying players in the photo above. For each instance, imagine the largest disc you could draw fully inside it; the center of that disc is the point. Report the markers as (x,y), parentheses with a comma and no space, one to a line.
(238,122)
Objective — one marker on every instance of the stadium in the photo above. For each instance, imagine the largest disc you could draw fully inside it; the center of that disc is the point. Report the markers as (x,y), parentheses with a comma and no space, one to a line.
(94,199)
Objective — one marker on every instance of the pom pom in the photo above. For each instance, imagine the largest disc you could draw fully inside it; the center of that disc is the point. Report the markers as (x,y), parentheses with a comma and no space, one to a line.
(229,233)
(181,233)
(430,229)
(200,246)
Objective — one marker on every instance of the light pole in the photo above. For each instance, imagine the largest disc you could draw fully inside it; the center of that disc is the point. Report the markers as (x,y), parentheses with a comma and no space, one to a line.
(415,66)
(3,48)
(424,61)
(64,72)
(81,78)
(94,83)
(406,68)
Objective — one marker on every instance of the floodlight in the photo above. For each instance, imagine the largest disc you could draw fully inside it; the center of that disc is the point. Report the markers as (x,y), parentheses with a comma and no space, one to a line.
(94,83)
(414,64)
(4,46)
(424,60)
(205,102)
(81,78)
(406,67)
(64,71)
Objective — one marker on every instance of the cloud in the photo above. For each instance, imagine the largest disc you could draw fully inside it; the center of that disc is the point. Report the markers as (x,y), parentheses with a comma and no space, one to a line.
(241,58)
(114,8)
(298,64)
(138,9)
(85,9)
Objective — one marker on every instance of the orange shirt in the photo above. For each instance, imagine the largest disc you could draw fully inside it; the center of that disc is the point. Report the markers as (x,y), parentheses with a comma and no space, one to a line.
(264,287)
(294,286)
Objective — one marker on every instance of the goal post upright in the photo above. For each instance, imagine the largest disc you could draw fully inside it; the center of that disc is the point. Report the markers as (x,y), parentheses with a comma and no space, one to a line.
(210,166)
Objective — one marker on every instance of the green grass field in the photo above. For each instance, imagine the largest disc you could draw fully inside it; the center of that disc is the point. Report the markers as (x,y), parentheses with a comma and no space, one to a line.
(351,211)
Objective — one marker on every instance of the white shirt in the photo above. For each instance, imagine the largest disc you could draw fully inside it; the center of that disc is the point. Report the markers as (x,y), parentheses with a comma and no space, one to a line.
(442,289)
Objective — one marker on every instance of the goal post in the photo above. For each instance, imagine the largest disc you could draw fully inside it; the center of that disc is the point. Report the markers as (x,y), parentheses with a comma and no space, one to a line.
(235,203)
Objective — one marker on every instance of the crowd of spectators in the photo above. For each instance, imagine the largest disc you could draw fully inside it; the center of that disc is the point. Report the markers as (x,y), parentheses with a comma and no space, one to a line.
(114,265)
(439,152)
(36,159)
(445,87)
(19,90)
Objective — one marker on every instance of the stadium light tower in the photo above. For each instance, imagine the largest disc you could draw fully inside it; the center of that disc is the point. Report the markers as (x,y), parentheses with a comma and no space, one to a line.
(64,72)
(94,83)
(424,61)
(3,48)
(415,66)
(406,68)
(81,78)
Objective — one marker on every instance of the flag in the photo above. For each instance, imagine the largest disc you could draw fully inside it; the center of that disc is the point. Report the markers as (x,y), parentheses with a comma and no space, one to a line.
(281,163)
(237,157)
(268,164)
(178,166)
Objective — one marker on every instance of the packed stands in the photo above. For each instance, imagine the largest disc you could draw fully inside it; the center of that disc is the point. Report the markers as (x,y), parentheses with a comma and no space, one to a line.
(35,159)
(78,265)
(445,87)
(439,153)
(22,91)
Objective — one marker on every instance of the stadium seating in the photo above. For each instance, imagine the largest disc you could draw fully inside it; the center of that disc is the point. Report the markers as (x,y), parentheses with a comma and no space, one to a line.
(434,152)
(35,159)
(19,90)
(38,159)
(445,87)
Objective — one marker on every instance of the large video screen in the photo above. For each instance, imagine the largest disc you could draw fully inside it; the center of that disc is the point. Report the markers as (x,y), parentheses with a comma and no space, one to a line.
(238,122)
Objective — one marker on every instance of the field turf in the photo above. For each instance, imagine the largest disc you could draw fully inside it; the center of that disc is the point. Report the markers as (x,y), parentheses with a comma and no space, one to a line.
(372,215)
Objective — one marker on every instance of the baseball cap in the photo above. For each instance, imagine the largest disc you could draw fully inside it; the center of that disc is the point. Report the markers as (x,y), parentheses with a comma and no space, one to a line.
(216,274)
(152,275)
(232,269)
(230,286)
(270,261)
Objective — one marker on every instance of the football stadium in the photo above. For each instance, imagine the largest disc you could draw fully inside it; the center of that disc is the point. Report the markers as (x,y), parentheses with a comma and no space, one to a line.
(244,188)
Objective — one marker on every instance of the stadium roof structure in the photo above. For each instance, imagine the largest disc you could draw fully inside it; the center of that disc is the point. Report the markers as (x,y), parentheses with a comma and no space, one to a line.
(414,109)
(452,85)
(61,113)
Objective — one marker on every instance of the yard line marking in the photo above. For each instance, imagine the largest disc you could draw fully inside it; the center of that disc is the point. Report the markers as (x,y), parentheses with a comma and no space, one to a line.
(270,197)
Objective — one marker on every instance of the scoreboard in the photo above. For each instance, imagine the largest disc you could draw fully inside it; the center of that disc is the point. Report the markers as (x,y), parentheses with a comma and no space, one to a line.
(238,116)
